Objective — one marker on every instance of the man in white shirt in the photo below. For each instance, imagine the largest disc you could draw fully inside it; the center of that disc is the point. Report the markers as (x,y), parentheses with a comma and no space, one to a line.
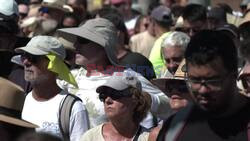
(41,58)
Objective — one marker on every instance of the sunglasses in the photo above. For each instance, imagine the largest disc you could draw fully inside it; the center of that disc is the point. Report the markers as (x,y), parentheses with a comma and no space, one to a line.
(44,10)
(32,58)
(177,87)
(115,95)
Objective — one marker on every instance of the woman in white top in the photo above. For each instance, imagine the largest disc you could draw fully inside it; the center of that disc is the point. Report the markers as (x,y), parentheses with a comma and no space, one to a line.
(125,106)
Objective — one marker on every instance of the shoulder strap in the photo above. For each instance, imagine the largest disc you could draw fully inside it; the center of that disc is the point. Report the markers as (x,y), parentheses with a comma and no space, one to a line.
(64,114)
(177,124)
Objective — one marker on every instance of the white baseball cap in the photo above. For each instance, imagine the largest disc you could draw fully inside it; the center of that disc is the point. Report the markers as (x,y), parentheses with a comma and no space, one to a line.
(8,7)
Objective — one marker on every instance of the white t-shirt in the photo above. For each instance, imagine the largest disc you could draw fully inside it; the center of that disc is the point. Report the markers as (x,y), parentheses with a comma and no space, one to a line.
(46,114)
(87,92)
(95,134)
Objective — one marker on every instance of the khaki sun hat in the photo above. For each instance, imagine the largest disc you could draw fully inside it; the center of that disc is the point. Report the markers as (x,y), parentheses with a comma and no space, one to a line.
(11,104)
(43,45)
(98,30)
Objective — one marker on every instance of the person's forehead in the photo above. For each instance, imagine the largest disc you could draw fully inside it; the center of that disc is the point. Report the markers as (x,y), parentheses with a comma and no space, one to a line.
(173,51)
(215,67)
(187,23)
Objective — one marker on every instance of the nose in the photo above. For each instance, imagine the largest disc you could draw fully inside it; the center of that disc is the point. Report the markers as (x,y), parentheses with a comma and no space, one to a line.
(108,100)
(26,62)
(203,89)
(172,66)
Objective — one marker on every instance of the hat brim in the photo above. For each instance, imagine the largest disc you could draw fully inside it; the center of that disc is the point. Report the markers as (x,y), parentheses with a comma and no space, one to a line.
(103,88)
(17,122)
(31,50)
(81,32)
(162,82)
(89,35)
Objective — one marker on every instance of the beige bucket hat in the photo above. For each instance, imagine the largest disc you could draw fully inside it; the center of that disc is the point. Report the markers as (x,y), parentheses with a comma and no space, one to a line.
(98,30)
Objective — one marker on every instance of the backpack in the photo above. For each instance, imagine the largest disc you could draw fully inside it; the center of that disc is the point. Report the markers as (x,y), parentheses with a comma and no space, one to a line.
(64,114)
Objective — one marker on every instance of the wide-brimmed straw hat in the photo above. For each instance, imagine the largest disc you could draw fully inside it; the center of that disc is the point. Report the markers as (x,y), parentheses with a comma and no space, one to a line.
(11,104)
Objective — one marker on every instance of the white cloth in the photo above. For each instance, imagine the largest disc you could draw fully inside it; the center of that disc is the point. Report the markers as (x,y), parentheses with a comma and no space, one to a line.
(95,134)
(87,92)
(45,114)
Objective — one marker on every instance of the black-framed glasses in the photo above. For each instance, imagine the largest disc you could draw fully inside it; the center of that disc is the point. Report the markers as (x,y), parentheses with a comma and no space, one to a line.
(213,83)
(113,94)
(32,58)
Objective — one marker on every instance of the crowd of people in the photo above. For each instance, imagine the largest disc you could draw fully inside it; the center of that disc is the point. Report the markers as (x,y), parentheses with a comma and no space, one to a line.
(179,71)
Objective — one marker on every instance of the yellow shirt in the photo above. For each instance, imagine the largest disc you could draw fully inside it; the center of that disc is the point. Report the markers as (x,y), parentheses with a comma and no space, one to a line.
(155,55)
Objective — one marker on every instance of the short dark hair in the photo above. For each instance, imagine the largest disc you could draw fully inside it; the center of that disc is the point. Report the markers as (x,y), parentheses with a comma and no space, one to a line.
(194,12)
(113,16)
(245,48)
(207,45)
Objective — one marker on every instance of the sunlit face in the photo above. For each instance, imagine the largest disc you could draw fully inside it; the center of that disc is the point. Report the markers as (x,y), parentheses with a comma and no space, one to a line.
(35,69)
(210,85)
(179,94)
(88,53)
(119,108)
(173,57)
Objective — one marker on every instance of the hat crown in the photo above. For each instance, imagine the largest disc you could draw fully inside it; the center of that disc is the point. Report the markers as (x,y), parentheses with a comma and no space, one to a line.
(162,14)
(48,44)
(106,33)
(12,96)
(8,7)
(121,81)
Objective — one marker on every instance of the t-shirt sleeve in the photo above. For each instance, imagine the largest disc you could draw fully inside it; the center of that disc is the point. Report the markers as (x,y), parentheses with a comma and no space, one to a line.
(79,121)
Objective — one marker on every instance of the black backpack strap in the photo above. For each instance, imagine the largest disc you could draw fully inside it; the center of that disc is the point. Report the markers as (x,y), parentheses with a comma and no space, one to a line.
(64,114)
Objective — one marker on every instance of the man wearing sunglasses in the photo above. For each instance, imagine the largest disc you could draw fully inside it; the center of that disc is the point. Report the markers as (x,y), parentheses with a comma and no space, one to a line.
(219,112)
(42,59)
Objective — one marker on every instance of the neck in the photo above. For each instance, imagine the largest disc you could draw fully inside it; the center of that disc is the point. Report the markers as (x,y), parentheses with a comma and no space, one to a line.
(160,30)
(121,127)
(45,91)
(121,52)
